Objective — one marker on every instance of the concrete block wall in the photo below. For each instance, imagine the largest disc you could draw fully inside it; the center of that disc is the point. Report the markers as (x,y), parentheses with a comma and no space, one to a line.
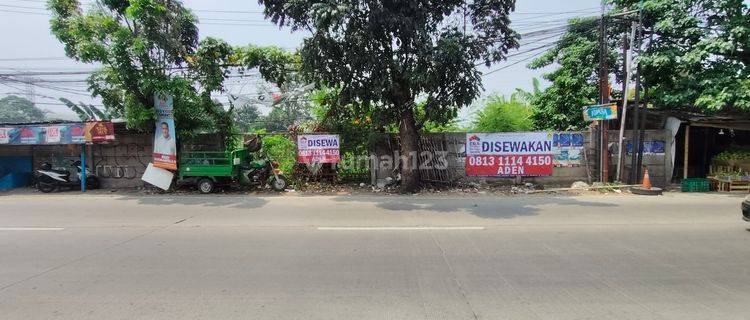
(454,144)
(658,164)
(121,164)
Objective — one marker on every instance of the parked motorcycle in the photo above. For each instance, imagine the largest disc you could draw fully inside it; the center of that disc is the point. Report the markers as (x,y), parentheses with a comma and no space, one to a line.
(49,179)
(263,171)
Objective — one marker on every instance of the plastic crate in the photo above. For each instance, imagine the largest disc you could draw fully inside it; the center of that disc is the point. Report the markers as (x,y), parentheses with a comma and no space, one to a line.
(696,185)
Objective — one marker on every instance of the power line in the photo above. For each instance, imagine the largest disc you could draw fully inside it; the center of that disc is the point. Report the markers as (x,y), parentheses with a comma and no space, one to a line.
(513,64)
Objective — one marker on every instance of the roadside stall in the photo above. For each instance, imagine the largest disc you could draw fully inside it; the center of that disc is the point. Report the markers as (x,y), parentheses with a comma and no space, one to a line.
(715,152)
(65,142)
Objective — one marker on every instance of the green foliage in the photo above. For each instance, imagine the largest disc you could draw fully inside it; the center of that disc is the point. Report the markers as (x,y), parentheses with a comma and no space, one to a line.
(696,54)
(699,55)
(733,155)
(87,112)
(500,114)
(149,46)
(14,109)
(247,117)
(352,121)
(382,55)
(281,149)
(273,63)
(574,82)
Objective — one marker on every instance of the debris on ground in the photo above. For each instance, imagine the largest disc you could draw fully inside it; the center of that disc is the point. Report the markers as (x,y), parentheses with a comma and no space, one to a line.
(579,185)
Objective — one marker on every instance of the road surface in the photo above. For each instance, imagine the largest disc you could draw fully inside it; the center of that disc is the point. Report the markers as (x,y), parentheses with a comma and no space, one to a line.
(67,256)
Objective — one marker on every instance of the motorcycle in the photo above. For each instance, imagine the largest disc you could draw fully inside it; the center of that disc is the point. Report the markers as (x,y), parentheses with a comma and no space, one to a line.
(263,171)
(49,179)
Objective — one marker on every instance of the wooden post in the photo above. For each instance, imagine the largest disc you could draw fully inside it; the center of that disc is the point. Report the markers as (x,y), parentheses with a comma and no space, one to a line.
(685,161)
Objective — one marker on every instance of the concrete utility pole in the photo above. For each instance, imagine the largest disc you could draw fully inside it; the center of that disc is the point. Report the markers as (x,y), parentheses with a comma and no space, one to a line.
(626,84)
(603,98)
(639,118)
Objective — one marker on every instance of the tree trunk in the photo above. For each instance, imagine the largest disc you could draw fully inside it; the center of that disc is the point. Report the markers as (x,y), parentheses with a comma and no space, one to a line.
(409,137)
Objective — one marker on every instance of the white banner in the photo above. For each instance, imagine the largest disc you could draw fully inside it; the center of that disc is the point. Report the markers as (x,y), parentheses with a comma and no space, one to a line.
(52,134)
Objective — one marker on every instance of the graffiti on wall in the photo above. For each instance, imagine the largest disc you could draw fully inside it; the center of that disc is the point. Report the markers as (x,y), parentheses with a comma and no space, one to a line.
(121,161)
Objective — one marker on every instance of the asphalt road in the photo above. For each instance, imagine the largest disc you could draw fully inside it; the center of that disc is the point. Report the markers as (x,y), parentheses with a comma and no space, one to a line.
(678,256)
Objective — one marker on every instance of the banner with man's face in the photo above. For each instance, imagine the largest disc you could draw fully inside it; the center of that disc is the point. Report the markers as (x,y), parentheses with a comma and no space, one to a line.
(165,140)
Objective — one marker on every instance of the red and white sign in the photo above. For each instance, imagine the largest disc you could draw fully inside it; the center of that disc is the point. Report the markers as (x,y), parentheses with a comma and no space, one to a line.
(526,154)
(52,134)
(4,135)
(318,148)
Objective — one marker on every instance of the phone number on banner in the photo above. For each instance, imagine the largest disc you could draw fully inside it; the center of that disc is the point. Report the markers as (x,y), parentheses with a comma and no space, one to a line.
(509,165)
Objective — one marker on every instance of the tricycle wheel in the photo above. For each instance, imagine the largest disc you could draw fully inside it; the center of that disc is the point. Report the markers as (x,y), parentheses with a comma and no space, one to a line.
(206,185)
(278,183)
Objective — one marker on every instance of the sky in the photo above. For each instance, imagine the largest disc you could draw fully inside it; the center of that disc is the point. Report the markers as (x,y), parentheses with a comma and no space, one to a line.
(29,46)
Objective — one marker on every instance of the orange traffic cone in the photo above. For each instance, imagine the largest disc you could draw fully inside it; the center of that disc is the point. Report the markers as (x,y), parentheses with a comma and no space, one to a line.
(646,179)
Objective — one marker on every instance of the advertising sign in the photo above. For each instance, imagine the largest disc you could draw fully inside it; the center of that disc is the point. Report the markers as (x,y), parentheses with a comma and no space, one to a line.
(567,148)
(649,147)
(76,133)
(30,135)
(64,133)
(600,112)
(5,135)
(158,177)
(52,134)
(526,154)
(100,131)
(318,148)
(165,144)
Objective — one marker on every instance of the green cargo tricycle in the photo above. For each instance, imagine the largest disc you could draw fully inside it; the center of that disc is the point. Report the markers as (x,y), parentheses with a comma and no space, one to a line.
(209,169)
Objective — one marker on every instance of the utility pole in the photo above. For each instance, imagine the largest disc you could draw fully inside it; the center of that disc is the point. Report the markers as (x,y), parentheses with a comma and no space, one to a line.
(603,98)
(627,67)
(638,119)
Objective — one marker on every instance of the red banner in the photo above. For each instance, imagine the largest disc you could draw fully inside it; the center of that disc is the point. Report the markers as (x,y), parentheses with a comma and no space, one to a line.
(510,165)
(100,131)
(318,156)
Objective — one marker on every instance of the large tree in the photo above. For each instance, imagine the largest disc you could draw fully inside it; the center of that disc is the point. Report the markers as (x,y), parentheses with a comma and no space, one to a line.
(148,46)
(573,81)
(14,109)
(389,55)
(696,54)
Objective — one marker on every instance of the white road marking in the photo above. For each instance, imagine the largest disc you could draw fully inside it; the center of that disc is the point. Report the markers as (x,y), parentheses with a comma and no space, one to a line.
(400,228)
(29,229)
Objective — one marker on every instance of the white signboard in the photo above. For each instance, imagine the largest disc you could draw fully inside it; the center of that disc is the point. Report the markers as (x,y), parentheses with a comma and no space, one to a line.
(318,148)
(161,178)
(52,134)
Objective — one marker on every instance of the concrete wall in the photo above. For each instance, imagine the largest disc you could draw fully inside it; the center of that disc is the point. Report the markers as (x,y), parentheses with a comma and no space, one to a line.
(454,146)
(122,163)
(659,164)
(119,164)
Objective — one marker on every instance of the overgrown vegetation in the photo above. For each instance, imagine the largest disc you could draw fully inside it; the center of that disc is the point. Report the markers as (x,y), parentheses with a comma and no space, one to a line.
(501,114)
(281,149)
(385,56)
